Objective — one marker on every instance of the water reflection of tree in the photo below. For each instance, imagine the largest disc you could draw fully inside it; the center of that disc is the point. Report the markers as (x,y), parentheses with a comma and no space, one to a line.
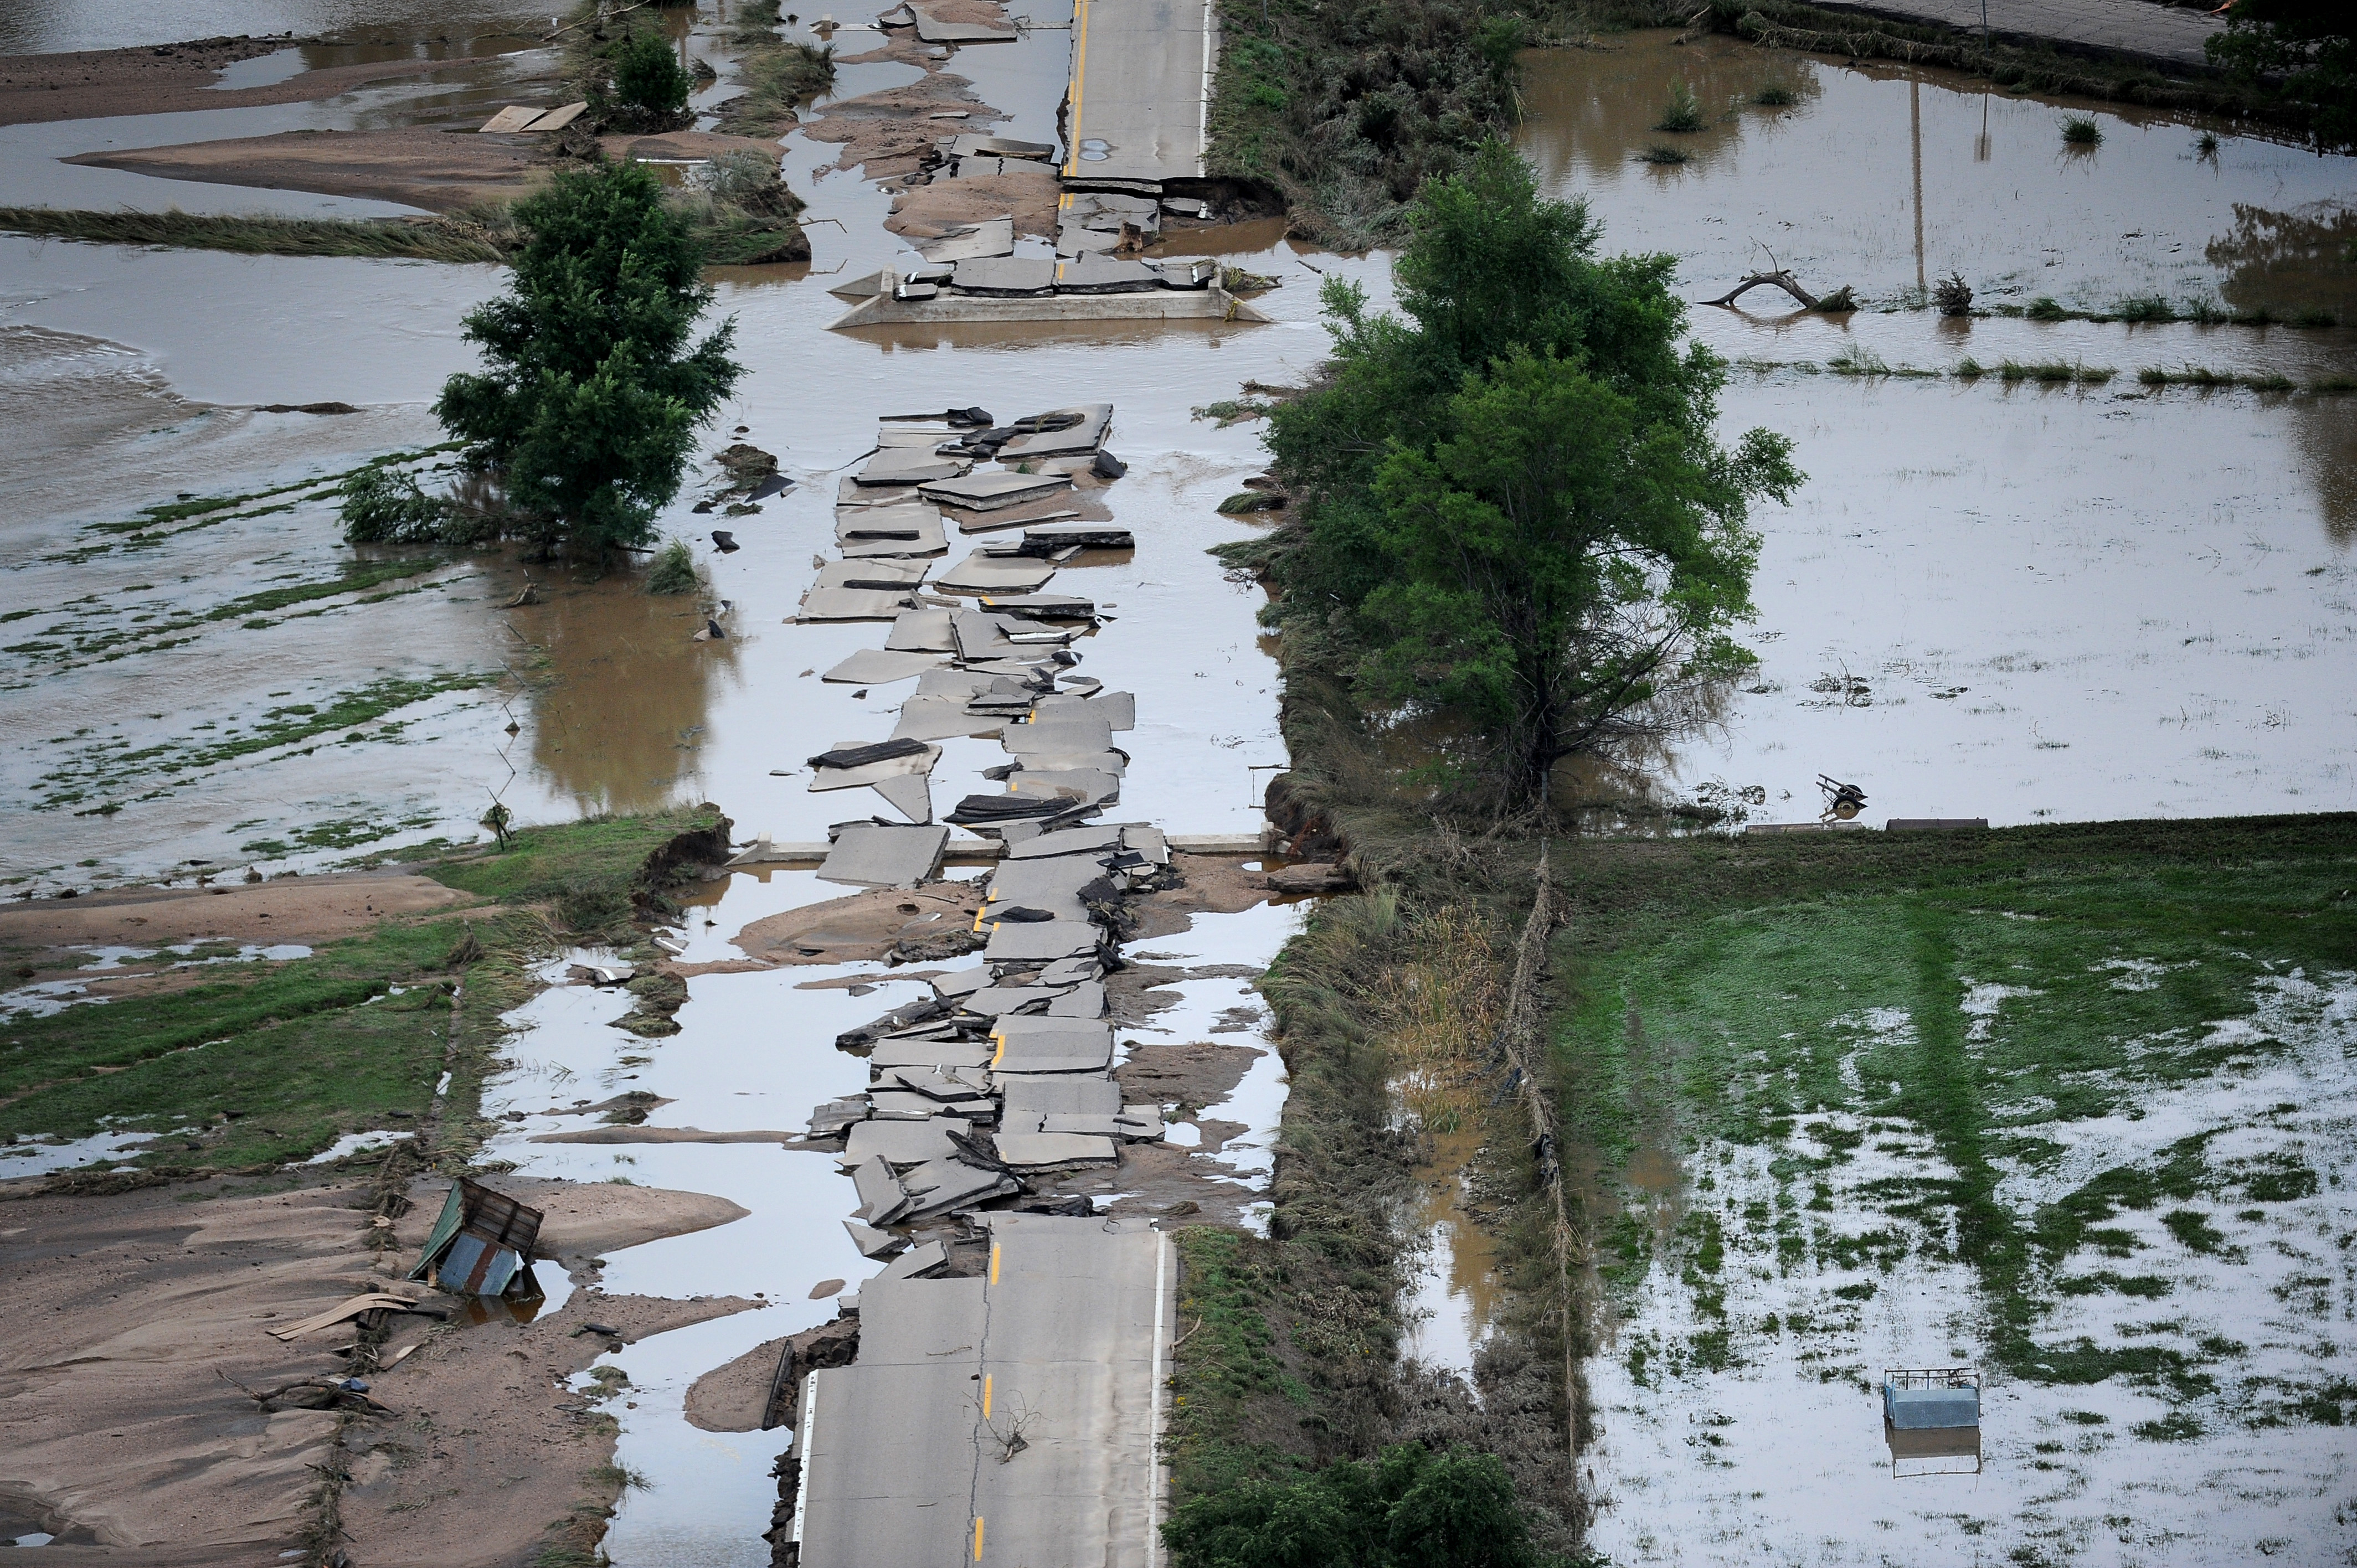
(2326,430)
(1598,109)
(626,694)
(1633,788)
(2301,260)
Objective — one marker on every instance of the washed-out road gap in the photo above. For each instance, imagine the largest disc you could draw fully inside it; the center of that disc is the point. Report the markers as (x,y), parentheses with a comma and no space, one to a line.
(1027,1398)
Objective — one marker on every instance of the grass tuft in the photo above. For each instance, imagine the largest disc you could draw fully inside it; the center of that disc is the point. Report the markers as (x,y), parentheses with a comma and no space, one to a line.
(1662,153)
(2079,131)
(2055,372)
(1682,112)
(673,569)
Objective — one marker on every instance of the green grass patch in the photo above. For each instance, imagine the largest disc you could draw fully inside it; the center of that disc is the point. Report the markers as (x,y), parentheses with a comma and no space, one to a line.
(262,1063)
(2054,372)
(113,766)
(266,1063)
(1730,987)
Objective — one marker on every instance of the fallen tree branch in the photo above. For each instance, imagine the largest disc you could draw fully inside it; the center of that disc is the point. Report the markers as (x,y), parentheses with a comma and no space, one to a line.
(1784,279)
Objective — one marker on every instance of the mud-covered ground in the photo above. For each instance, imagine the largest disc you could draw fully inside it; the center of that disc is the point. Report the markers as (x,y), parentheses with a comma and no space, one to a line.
(141,1334)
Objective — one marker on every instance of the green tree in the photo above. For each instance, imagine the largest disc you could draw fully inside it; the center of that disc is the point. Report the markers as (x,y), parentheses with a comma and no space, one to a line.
(1407,1508)
(1516,513)
(2305,49)
(648,79)
(1565,566)
(592,395)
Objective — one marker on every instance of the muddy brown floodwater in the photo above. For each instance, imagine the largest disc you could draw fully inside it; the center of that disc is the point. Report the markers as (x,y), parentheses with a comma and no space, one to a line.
(2090,602)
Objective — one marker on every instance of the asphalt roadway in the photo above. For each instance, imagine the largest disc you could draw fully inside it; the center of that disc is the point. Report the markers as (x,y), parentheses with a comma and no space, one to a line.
(1012,1418)
(2161,32)
(1141,90)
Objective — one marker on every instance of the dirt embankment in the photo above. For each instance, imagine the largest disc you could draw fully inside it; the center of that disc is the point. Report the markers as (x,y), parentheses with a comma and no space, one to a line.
(285,910)
(51,938)
(172,78)
(134,1319)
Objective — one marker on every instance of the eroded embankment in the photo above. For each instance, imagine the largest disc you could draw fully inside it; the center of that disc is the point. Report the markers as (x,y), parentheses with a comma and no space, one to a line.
(1396,1009)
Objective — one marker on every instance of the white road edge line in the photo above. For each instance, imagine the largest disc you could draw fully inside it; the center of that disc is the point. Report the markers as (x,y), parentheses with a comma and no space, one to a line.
(803,1451)
(1203,108)
(1154,1434)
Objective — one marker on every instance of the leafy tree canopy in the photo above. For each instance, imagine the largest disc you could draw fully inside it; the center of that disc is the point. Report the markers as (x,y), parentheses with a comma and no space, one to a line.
(2308,46)
(1408,1508)
(1517,513)
(592,394)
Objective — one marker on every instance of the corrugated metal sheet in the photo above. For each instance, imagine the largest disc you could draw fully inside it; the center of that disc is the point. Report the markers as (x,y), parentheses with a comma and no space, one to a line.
(480,1240)
(476,1266)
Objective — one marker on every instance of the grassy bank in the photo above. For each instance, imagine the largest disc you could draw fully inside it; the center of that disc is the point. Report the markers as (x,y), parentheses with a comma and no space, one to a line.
(249,1065)
(1872,1054)
(1387,1009)
(390,239)
(1290,1360)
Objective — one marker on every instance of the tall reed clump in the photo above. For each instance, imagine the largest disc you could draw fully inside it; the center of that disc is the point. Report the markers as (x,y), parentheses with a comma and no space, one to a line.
(673,570)
(1439,1014)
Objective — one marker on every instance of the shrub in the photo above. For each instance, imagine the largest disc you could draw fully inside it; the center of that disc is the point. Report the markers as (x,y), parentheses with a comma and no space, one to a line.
(1954,295)
(649,77)
(1406,1508)
(383,505)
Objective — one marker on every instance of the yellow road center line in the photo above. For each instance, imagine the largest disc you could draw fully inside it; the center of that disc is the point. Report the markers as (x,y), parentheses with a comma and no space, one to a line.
(993,1263)
(985,1396)
(1080,80)
(977,1538)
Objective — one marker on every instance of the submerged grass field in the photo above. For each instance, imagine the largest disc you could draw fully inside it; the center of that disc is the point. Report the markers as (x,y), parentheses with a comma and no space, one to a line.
(2073,1106)
(258,1062)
